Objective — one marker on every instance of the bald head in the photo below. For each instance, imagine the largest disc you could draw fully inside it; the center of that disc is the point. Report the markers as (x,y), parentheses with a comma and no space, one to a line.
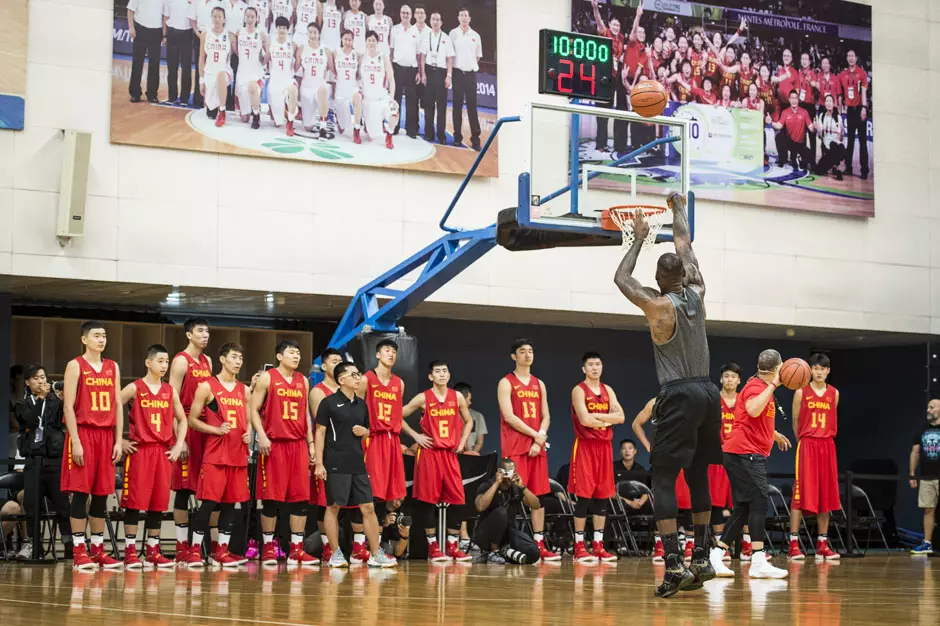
(669,273)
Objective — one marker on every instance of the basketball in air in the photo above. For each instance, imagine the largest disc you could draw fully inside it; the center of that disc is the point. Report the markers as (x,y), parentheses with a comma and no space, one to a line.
(795,374)
(649,98)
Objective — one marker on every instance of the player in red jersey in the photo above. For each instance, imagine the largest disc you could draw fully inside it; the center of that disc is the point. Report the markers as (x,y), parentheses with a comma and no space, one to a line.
(445,427)
(705,95)
(329,359)
(613,31)
(806,85)
(594,412)
(816,490)
(149,462)
(827,84)
(745,458)
(524,421)
(683,83)
(92,445)
(223,476)
(698,56)
(718,482)
(285,441)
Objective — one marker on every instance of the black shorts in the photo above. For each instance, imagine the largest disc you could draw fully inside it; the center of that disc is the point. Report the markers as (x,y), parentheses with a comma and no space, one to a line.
(687,425)
(348,489)
(748,476)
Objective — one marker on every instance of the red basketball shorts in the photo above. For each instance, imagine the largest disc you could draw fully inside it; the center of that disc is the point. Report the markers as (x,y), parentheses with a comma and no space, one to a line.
(816,489)
(227,484)
(592,469)
(533,470)
(283,474)
(186,471)
(317,490)
(385,466)
(96,476)
(720,486)
(437,477)
(683,497)
(146,485)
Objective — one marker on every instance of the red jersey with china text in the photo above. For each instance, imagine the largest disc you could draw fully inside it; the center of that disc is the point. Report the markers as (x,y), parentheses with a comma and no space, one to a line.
(232,407)
(326,390)
(441,420)
(698,60)
(818,413)
(595,403)
(385,403)
(285,406)
(151,416)
(197,371)
(745,78)
(96,396)
(829,85)
(727,419)
(526,405)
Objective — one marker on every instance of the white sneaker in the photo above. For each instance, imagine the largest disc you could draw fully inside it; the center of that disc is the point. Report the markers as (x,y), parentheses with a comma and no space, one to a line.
(761,567)
(337,559)
(716,558)
(26,552)
(380,559)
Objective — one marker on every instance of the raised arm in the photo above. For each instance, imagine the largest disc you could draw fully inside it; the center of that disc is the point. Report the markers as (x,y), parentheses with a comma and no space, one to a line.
(643,297)
(641,418)
(636,22)
(601,26)
(797,401)
(682,238)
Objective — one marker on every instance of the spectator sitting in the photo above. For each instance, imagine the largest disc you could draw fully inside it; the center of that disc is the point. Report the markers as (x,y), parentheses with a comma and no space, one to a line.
(499,502)
(628,469)
(10,508)
(16,392)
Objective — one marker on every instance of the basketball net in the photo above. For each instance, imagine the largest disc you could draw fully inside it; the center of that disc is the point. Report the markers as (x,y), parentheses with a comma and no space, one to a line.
(622,217)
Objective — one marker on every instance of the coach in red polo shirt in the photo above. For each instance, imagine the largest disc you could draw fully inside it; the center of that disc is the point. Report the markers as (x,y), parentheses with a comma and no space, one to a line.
(611,30)
(855,98)
(745,458)
(791,128)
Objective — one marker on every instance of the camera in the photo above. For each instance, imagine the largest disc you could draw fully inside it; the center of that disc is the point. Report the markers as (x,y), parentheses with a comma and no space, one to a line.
(509,474)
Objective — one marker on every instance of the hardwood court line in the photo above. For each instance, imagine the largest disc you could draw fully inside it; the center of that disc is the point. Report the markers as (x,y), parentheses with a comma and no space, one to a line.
(162,613)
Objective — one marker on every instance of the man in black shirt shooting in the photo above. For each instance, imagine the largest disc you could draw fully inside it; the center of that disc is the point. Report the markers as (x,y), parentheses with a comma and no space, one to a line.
(499,502)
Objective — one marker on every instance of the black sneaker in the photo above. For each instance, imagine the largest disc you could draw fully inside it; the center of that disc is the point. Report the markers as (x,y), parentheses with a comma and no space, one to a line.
(153,100)
(325,133)
(838,175)
(676,579)
(135,99)
(864,176)
(702,570)
(212,113)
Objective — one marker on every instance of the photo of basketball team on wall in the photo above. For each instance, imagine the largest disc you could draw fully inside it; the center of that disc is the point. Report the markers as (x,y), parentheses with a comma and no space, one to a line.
(791,77)
(365,82)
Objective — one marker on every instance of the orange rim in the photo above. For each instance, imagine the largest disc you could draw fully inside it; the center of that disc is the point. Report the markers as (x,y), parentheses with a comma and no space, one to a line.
(608,222)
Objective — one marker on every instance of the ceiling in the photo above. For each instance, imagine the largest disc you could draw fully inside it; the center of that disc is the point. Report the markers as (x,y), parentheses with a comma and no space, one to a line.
(168,300)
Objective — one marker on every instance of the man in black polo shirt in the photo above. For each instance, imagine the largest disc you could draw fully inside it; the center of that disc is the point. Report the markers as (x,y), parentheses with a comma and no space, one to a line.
(635,501)
(499,502)
(342,422)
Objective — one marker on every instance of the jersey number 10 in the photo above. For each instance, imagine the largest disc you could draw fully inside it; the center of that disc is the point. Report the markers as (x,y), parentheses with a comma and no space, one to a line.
(100,401)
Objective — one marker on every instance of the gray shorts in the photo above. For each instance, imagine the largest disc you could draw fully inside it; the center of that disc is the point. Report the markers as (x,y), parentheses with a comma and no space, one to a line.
(348,489)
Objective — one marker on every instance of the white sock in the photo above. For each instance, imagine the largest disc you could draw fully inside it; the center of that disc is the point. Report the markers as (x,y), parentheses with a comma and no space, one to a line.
(130,542)
(359,538)
(97,539)
(267,538)
(598,535)
(579,536)
(296,538)
(746,538)
(822,538)
(182,533)
(793,537)
(224,538)
(538,537)
(153,542)
(197,538)
(658,539)
(432,539)
(452,538)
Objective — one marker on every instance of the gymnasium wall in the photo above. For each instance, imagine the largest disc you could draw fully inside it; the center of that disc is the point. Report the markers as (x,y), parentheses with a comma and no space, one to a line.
(170,217)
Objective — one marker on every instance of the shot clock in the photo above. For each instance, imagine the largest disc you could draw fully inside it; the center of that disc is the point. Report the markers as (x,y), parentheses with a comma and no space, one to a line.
(576,65)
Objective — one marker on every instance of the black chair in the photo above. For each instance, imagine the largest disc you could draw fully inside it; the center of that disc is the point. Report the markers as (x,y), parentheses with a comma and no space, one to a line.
(14,482)
(641,524)
(561,520)
(865,517)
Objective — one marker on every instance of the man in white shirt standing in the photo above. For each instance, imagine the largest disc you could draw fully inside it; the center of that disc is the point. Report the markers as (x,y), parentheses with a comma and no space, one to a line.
(404,44)
(200,19)
(179,51)
(422,30)
(145,23)
(468,49)
(437,64)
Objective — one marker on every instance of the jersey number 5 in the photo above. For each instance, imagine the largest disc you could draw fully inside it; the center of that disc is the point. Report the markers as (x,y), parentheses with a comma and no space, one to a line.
(231,416)
(100,401)
(289,411)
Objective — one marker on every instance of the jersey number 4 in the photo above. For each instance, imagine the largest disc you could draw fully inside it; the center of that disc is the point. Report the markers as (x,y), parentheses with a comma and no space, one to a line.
(100,401)
(156,422)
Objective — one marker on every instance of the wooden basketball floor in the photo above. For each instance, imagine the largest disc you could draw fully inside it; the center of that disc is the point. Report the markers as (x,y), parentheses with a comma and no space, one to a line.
(878,589)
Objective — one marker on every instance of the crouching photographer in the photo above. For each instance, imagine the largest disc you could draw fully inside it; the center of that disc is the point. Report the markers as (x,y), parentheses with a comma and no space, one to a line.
(43,437)
(499,502)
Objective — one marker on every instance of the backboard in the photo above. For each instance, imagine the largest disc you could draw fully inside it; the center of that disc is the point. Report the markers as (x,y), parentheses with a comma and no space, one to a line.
(576,168)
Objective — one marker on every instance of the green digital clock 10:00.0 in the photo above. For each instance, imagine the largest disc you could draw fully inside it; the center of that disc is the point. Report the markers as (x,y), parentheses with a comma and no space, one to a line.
(576,65)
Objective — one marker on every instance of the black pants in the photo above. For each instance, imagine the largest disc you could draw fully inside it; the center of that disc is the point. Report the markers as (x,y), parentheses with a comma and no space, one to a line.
(497,529)
(747,474)
(179,61)
(50,472)
(465,90)
(620,126)
(230,98)
(831,157)
(788,150)
(197,94)
(146,44)
(405,86)
(857,126)
(602,134)
(811,111)
(435,104)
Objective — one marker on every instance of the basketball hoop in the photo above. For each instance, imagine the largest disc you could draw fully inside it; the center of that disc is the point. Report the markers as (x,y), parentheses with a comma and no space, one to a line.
(621,217)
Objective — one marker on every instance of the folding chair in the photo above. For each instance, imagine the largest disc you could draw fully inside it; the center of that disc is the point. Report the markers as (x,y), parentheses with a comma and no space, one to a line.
(15,481)
(565,516)
(862,519)
(645,521)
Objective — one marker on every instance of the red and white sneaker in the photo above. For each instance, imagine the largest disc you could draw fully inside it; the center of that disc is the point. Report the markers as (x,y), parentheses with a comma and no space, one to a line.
(299,557)
(290,129)
(81,561)
(687,557)
(222,558)
(154,559)
(581,555)
(357,136)
(794,553)
(194,560)
(220,118)
(182,552)
(359,554)
(388,142)
(746,551)
(268,554)
(454,552)
(545,554)
(435,555)
(327,553)
(602,554)
(103,559)
(659,553)
(825,553)
(726,557)
(132,562)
